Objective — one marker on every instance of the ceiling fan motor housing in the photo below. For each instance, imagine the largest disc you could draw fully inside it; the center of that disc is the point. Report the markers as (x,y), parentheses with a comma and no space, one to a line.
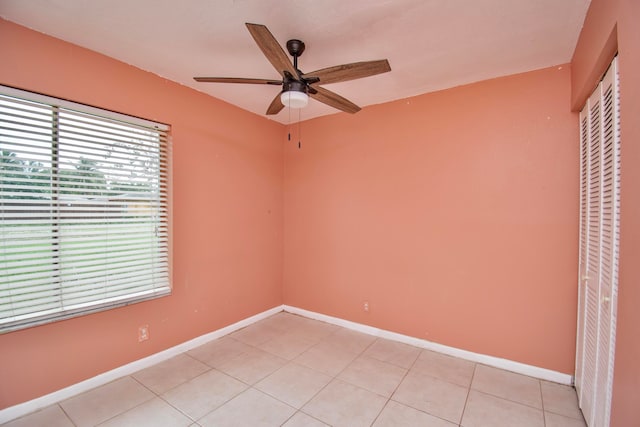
(294,86)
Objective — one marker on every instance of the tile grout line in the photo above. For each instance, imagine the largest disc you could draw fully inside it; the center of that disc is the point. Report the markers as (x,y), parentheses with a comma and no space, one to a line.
(211,368)
(335,377)
(160,395)
(299,411)
(65,414)
(252,386)
(509,399)
(464,408)
(396,388)
(381,410)
(256,346)
(357,356)
(249,386)
(427,375)
(177,409)
(133,407)
(544,416)
(347,382)
(219,406)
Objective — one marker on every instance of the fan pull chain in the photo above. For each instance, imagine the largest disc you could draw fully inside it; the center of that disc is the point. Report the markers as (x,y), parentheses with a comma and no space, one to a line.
(289,124)
(299,128)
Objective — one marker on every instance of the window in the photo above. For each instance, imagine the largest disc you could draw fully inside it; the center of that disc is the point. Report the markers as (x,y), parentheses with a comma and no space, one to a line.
(84,210)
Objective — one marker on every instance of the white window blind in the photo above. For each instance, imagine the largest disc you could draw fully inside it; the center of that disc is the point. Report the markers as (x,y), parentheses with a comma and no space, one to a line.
(84,213)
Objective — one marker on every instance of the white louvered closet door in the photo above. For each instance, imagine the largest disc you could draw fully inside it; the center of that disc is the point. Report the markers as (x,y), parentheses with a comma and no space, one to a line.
(599,237)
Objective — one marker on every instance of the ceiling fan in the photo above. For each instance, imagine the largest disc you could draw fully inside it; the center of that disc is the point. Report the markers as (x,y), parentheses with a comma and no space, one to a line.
(296,85)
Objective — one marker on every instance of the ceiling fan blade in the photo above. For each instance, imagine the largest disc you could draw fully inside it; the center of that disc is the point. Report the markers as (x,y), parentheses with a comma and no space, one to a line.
(345,72)
(276,105)
(333,99)
(271,49)
(237,80)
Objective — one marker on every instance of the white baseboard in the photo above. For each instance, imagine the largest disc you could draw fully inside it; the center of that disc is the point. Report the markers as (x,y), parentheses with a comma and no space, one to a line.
(509,365)
(25,408)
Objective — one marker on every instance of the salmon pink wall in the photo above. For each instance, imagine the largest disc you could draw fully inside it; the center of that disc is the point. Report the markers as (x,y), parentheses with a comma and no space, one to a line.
(613,25)
(453,214)
(227,227)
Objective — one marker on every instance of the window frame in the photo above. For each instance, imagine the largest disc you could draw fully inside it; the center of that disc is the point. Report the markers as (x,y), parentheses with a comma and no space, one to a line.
(164,175)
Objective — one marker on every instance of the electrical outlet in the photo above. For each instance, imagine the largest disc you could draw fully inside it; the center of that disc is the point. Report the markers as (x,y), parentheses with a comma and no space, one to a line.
(365,306)
(143,333)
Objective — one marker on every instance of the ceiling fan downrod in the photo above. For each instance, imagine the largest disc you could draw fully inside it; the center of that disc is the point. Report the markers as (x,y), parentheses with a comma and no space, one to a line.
(295,48)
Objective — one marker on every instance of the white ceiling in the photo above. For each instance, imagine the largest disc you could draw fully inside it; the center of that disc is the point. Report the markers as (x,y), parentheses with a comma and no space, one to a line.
(430,44)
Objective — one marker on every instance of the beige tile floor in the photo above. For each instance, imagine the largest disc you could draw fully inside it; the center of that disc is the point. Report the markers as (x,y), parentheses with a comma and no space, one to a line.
(291,371)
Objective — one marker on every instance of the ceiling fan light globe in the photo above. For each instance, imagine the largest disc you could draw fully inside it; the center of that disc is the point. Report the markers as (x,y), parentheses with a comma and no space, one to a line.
(294,99)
